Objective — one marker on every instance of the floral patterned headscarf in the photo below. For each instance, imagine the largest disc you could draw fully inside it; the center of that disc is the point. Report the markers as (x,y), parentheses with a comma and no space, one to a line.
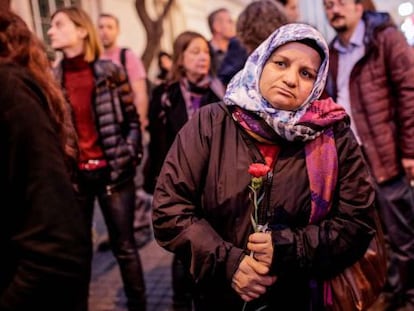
(243,89)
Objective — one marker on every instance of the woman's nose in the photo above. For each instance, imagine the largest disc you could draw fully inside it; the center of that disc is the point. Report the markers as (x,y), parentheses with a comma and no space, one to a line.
(205,55)
(290,78)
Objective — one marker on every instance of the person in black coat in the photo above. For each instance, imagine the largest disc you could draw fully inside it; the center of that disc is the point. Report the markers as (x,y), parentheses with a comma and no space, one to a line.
(45,240)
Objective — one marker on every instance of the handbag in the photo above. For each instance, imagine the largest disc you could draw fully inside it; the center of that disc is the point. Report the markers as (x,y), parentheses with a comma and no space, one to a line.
(358,286)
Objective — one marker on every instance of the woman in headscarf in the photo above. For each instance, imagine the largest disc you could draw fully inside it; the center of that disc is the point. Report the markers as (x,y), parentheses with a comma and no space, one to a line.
(266,196)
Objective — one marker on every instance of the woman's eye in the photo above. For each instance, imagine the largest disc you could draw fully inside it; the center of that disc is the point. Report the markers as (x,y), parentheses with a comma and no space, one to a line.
(194,51)
(280,63)
(307,74)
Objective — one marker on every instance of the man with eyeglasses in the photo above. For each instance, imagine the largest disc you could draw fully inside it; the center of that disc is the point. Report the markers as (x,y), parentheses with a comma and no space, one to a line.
(372,76)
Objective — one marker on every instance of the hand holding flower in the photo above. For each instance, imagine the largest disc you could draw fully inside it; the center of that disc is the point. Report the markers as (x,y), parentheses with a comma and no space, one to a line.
(251,279)
(260,244)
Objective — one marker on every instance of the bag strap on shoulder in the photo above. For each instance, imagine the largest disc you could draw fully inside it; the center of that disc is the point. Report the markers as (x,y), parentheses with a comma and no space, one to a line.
(122,57)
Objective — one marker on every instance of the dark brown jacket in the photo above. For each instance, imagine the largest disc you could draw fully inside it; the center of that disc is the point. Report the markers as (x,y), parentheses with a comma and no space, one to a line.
(201,211)
(382,96)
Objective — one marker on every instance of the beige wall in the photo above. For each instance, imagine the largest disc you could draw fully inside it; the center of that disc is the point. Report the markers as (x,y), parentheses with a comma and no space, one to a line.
(187,14)
(24,10)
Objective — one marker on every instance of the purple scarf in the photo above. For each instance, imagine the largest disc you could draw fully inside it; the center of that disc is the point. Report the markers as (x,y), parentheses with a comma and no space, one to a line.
(321,156)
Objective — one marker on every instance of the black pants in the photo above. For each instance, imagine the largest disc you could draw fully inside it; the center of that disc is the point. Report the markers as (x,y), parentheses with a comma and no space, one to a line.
(396,204)
(182,287)
(117,205)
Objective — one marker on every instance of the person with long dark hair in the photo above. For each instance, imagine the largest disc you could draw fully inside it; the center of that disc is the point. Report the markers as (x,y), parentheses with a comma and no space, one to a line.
(44,235)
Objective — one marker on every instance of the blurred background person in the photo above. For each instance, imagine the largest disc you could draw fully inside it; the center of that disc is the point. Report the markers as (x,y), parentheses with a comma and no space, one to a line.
(109,30)
(109,136)
(291,9)
(222,28)
(250,32)
(164,62)
(44,233)
(189,86)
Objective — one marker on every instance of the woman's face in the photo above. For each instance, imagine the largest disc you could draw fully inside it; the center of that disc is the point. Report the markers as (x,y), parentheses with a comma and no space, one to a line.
(65,35)
(288,75)
(196,60)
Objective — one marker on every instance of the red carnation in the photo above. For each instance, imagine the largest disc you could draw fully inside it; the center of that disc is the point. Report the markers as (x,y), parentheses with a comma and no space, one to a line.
(258,170)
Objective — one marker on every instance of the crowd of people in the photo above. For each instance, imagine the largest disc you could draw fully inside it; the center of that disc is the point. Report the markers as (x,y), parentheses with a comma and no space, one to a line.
(266,154)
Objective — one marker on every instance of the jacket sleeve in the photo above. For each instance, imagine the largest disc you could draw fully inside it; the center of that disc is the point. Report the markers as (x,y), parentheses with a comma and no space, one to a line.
(179,225)
(131,119)
(325,249)
(45,234)
(399,58)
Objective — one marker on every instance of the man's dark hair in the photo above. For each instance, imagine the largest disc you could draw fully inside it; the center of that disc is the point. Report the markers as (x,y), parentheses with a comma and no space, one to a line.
(283,2)
(212,17)
(116,19)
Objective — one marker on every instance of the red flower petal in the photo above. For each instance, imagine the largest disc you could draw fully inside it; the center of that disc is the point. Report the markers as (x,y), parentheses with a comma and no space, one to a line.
(258,169)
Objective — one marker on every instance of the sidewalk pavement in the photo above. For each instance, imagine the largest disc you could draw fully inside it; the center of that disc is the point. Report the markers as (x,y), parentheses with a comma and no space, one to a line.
(106,289)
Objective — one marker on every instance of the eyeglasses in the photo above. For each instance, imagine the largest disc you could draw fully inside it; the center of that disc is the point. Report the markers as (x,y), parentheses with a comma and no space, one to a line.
(329,5)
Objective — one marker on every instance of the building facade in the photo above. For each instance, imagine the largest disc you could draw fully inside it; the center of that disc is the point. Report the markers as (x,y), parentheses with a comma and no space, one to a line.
(184,15)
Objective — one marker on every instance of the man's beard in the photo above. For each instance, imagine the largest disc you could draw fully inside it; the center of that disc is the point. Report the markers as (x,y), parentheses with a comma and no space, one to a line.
(108,45)
(341,28)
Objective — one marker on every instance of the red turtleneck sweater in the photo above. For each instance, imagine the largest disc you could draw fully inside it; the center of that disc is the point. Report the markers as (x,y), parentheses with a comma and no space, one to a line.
(79,84)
